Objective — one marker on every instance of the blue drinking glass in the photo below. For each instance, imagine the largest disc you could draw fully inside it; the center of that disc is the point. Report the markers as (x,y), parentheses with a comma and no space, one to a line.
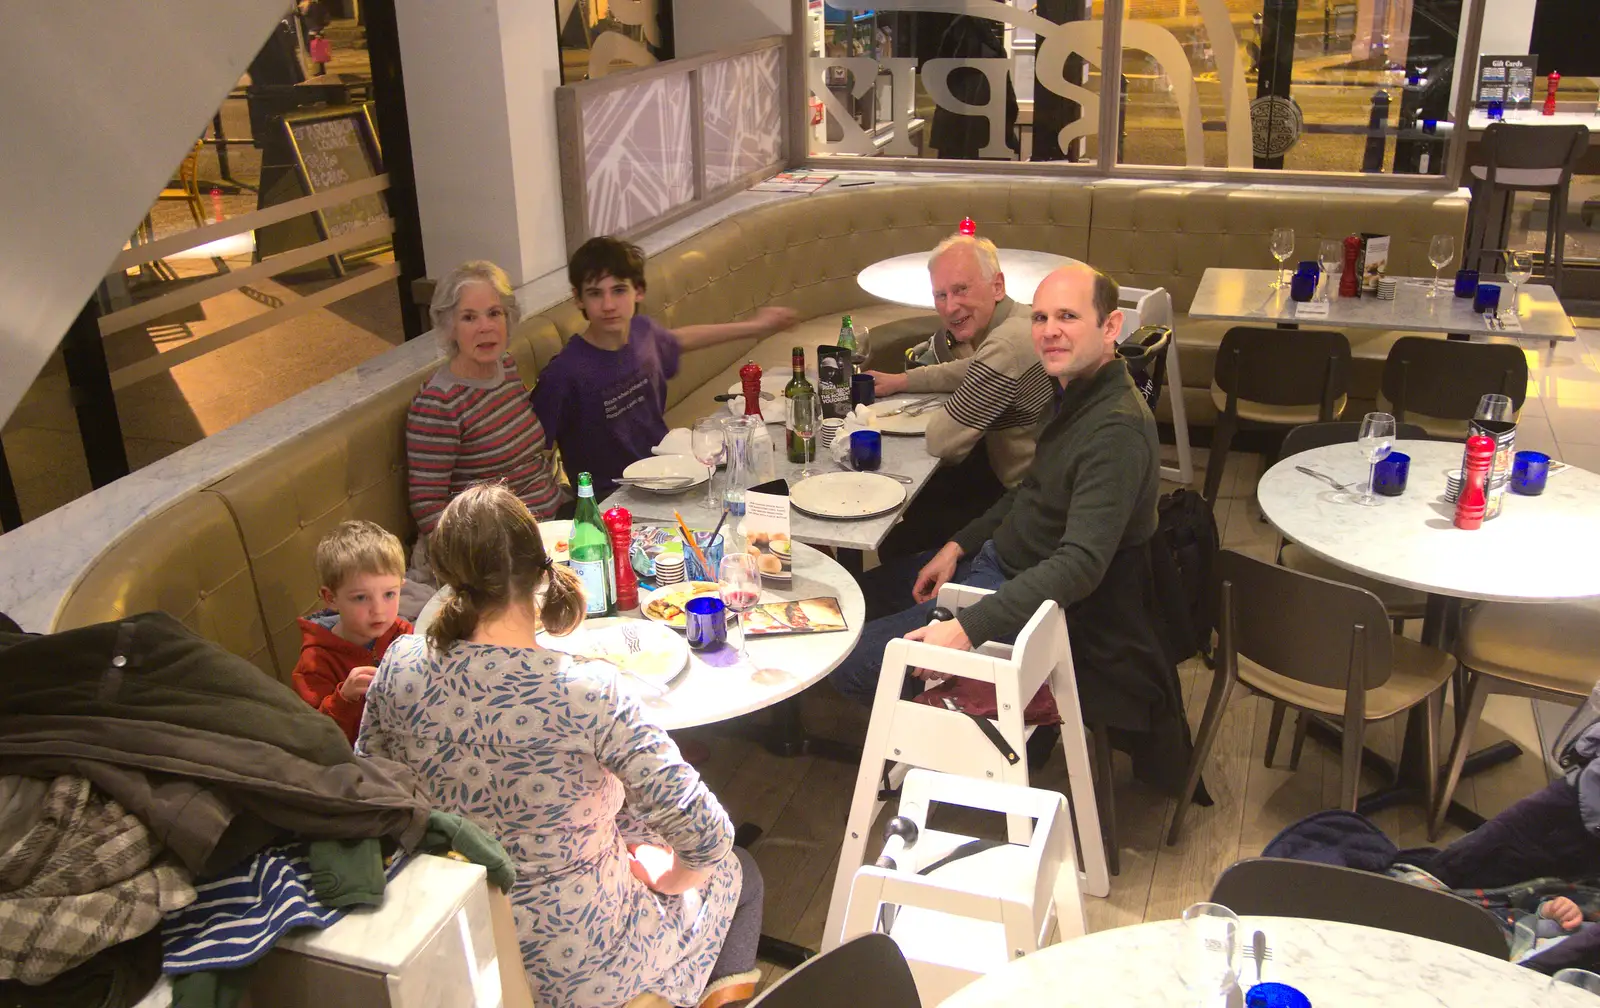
(1529,470)
(1487,299)
(1302,287)
(712,548)
(1389,476)
(705,622)
(866,450)
(1466,283)
(862,390)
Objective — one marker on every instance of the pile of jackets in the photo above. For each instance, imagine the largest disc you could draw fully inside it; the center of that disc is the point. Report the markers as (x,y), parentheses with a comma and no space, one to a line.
(140,763)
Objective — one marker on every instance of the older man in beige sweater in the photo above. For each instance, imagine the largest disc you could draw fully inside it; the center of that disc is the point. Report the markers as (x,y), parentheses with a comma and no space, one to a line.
(999,391)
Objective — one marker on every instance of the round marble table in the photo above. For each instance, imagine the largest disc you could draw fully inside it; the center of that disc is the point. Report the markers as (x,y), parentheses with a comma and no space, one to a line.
(904,279)
(1539,549)
(719,686)
(1336,966)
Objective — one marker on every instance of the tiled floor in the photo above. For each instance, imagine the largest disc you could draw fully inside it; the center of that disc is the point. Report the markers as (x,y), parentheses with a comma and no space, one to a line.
(801,803)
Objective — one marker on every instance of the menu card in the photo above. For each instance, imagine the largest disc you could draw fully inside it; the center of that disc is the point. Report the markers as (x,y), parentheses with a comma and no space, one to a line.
(812,615)
(833,381)
(766,531)
(1373,263)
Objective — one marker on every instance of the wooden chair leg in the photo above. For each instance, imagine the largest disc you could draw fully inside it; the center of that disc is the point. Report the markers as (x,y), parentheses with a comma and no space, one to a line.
(1477,692)
(1355,737)
(1210,722)
(1217,457)
(1274,728)
(1105,797)
(1302,724)
(1430,744)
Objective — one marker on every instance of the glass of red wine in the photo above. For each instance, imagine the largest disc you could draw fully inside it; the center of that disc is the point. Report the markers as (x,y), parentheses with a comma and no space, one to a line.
(739,583)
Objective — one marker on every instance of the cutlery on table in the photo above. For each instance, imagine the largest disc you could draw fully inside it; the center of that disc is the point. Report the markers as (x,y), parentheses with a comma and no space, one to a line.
(730,396)
(907,480)
(1258,950)
(658,482)
(907,407)
(1324,477)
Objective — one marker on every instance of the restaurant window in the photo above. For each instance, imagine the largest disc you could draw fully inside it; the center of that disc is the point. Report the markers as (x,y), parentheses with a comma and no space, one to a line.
(598,37)
(956,82)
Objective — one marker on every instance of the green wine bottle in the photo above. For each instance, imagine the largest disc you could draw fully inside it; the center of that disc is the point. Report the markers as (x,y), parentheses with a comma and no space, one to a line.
(798,387)
(847,335)
(590,549)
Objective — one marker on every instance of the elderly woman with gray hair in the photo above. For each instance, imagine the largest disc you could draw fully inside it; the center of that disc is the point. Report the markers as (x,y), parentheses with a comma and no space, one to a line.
(472,420)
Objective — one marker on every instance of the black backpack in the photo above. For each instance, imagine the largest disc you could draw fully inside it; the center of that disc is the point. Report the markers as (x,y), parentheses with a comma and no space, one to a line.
(1183,572)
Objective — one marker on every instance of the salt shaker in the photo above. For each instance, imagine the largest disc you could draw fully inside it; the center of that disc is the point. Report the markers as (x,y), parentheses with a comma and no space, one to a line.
(619,522)
(1473,502)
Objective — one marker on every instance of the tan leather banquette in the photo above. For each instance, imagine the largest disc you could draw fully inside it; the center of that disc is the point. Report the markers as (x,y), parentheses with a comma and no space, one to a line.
(234,559)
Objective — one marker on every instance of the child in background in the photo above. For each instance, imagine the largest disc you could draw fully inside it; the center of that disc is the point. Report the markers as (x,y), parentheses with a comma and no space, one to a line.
(602,399)
(362,569)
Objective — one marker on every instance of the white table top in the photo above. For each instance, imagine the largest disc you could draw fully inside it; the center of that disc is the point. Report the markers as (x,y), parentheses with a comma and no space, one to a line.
(1478,120)
(718,686)
(907,456)
(904,279)
(1335,965)
(1538,549)
(1242,295)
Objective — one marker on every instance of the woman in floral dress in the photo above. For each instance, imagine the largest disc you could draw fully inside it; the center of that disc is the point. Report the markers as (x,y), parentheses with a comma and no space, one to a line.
(627,877)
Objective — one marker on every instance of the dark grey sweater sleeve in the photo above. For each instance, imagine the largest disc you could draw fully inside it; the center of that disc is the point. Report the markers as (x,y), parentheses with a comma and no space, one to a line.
(1104,491)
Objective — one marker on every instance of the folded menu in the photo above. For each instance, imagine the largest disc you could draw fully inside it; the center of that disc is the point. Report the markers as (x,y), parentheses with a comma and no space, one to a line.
(812,615)
(766,530)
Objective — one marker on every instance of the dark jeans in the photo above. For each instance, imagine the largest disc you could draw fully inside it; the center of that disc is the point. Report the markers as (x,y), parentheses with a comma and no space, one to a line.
(738,953)
(892,612)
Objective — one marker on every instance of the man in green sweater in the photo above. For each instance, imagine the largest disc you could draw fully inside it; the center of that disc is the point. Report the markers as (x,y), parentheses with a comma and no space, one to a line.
(1074,530)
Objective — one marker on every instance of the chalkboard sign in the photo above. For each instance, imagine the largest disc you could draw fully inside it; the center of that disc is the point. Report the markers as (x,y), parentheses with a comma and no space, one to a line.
(1507,80)
(334,147)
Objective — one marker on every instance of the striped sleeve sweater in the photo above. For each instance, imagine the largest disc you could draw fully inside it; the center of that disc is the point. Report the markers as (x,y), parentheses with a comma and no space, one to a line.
(461,431)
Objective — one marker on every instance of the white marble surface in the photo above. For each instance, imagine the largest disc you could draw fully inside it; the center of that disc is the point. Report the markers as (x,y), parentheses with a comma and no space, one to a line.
(905,455)
(1335,965)
(719,686)
(1478,120)
(1538,549)
(904,279)
(1242,295)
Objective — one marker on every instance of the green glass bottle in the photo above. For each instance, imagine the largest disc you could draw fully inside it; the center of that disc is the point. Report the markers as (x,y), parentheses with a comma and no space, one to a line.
(847,335)
(590,549)
(797,387)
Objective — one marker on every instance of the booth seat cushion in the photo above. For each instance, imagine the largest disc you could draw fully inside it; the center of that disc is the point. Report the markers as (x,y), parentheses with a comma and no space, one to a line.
(352,467)
(187,561)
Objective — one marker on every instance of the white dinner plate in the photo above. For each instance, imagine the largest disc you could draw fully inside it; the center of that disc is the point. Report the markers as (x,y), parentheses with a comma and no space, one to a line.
(672,466)
(904,424)
(774,410)
(661,653)
(555,534)
(847,495)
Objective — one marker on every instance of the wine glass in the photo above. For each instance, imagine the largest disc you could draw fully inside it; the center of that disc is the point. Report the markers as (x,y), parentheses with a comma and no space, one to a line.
(707,441)
(1377,441)
(739,584)
(1282,250)
(1330,256)
(1209,962)
(1441,250)
(805,408)
(863,348)
(1519,267)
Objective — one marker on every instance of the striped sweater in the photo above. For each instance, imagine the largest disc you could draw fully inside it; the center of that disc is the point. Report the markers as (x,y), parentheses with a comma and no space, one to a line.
(461,431)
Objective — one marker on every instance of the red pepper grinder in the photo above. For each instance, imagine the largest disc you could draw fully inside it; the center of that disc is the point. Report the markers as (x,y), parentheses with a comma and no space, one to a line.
(1550,93)
(750,380)
(968,226)
(1350,278)
(619,522)
(1473,502)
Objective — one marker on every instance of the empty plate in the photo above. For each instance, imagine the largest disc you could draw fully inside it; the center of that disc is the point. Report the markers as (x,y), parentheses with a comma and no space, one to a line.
(847,495)
(904,424)
(674,469)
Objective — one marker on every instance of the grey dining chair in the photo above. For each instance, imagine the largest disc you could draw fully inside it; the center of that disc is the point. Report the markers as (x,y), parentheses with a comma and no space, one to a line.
(1524,157)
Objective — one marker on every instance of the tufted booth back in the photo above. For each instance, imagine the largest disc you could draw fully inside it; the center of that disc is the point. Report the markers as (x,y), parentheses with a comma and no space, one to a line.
(234,560)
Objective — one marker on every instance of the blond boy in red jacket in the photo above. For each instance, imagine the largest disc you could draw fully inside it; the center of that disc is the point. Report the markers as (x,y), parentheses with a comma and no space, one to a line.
(362,569)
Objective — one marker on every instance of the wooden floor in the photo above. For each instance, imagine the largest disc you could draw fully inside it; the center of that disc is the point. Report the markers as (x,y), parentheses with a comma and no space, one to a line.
(801,803)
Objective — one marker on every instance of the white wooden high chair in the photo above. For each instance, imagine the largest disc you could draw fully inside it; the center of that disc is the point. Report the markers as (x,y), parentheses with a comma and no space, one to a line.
(910,734)
(978,906)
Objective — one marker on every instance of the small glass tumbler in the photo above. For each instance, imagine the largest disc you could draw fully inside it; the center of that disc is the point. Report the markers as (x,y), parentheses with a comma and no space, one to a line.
(1529,470)
(866,450)
(862,390)
(1466,283)
(712,548)
(1579,978)
(1390,474)
(1209,958)
(1487,299)
(1303,287)
(705,622)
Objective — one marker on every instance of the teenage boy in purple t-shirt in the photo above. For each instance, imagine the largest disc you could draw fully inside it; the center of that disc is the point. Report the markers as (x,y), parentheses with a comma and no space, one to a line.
(602,398)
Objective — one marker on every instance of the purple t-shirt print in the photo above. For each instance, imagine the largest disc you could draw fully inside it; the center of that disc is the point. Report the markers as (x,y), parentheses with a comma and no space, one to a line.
(604,408)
